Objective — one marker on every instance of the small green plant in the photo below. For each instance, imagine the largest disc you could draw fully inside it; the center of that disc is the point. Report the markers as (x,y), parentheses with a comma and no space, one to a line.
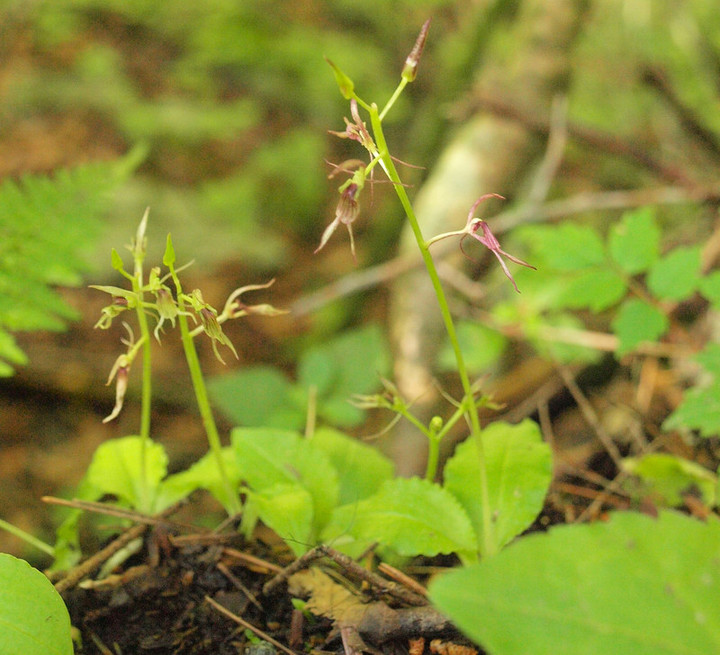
(134,468)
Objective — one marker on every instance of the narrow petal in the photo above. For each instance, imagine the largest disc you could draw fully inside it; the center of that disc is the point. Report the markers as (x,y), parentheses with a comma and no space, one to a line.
(327,234)
(506,270)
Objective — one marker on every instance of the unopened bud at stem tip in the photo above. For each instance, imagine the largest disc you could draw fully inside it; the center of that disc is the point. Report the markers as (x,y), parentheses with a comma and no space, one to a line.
(413,59)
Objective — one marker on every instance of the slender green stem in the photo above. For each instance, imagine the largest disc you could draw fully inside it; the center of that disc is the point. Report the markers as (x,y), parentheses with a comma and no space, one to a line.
(488,547)
(233,505)
(28,538)
(146,397)
(435,438)
(433,457)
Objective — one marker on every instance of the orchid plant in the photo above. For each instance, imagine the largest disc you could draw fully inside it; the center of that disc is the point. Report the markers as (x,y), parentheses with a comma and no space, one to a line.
(373,141)
(153,297)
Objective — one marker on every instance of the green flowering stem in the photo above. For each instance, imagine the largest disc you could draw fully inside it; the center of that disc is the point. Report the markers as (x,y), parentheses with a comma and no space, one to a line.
(436,433)
(469,405)
(233,506)
(138,250)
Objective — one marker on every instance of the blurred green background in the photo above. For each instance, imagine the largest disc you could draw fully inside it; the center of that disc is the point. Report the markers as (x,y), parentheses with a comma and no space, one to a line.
(230,101)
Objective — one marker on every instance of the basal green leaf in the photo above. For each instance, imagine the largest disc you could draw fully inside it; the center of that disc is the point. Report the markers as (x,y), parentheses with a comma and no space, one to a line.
(266,457)
(634,242)
(677,275)
(666,477)
(203,474)
(637,322)
(361,469)
(594,288)
(288,510)
(33,617)
(338,533)
(116,469)
(415,517)
(699,410)
(631,586)
(565,247)
(519,465)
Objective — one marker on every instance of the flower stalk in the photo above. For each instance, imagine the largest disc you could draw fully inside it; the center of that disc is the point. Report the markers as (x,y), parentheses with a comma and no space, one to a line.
(232,499)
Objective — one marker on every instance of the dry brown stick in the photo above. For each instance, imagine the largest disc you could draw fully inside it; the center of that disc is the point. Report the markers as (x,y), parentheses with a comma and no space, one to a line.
(588,411)
(93,562)
(239,584)
(263,635)
(402,578)
(120,512)
(352,567)
(251,559)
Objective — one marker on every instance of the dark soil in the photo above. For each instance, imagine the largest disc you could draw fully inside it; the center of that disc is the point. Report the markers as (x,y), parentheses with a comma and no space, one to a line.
(165,602)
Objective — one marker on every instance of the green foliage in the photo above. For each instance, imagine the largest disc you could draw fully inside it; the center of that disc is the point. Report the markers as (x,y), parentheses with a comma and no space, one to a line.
(638,322)
(634,242)
(295,484)
(346,365)
(116,468)
(48,224)
(634,586)
(519,467)
(665,478)
(361,469)
(415,517)
(33,617)
(271,460)
(700,406)
(622,274)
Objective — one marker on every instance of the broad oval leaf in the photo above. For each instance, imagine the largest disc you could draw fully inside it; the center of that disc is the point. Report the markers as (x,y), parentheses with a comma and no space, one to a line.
(415,517)
(33,617)
(631,586)
(288,510)
(519,465)
(266,457)
(116,469)
(361,468)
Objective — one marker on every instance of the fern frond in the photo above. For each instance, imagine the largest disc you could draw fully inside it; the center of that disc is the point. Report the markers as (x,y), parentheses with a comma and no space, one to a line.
(47,226)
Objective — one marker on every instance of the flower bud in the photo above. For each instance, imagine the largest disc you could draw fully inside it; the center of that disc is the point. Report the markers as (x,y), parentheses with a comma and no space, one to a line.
(409,71)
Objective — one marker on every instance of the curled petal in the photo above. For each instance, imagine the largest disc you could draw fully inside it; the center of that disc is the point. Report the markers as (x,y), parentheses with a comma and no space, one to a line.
(120,371)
